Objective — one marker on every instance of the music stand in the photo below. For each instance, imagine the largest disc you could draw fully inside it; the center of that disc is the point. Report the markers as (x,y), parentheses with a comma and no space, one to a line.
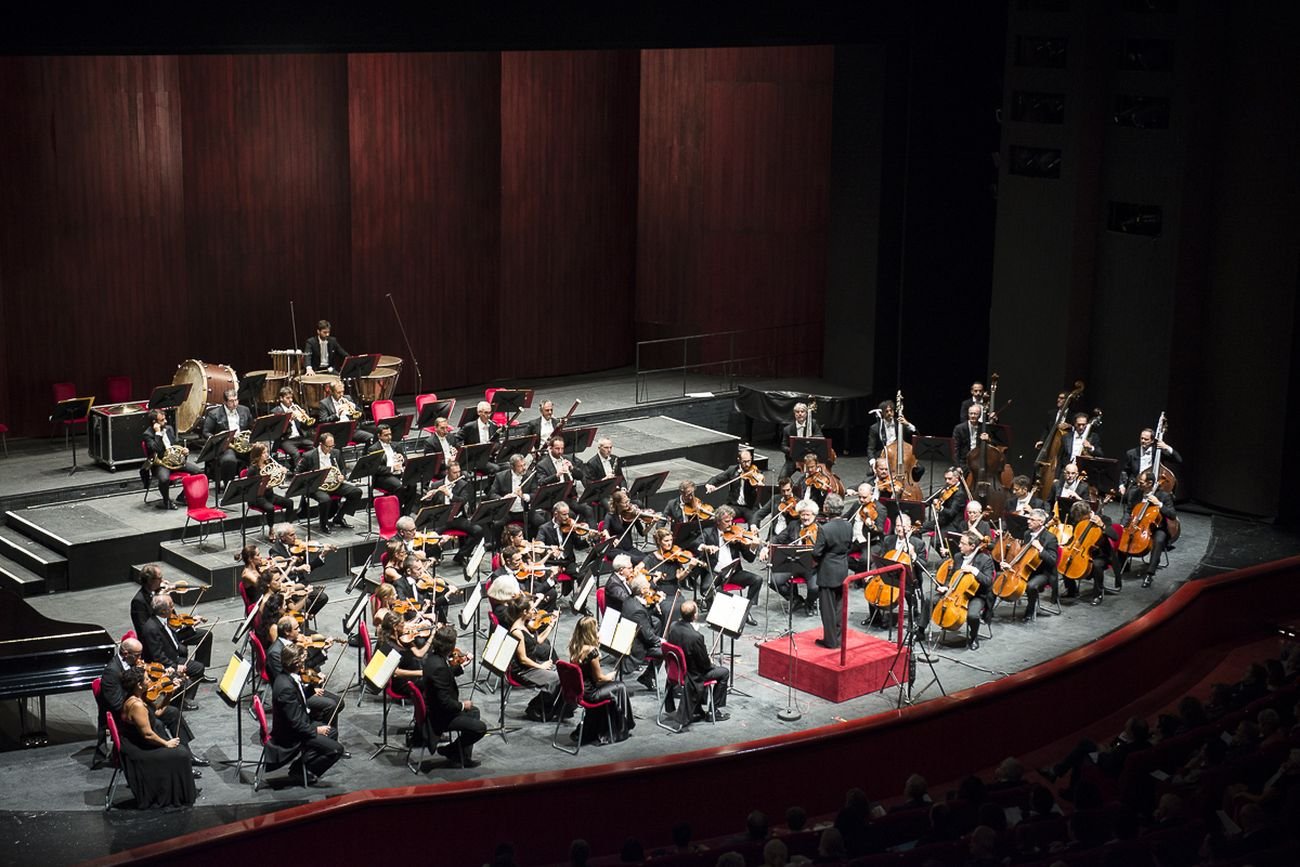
(472,459)
(70,411)
(357,366)
(644,487)
(209,454)
(798,560)
(511,401)
(435,516)
(365,468)
(1000,434)
(238,673)
(467,415)
(727,616)
(342,431)
(304,485)
(250,388)
(520,445)
(595,492)
(470,614)
(434,410)
(400,424)
(800,446)
(1103,473)
(168,397)
(421,471)
(592,562)
(243,492)
(491,512)
(931,449)
(497,655)
(546,496)
(268,428)
(577,439)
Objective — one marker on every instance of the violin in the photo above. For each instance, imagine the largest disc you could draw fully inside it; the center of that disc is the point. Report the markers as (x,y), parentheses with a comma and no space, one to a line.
(414,632)
(312,677)
(753,475)
(571,526)
(158,683)
(300,548)
(652,597)
(540,619)
(422,539)
(868,512)
(824,480)
(457,657)
(697,508)
(679,554)
(808,535)
(179,621)
(736,533)
(533,570)
(945,495)
(788,506)
(432,584)
(317,641)
(177,589)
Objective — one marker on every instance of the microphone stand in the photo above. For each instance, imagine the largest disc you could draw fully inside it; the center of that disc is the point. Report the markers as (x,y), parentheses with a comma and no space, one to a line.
(419,378)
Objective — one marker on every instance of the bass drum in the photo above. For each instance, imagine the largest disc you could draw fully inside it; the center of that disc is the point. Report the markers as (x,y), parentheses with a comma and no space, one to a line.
(208,384)
(311,389)
(275,380)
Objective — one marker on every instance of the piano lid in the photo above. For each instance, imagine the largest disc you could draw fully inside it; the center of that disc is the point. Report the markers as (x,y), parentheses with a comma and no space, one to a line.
(29,633)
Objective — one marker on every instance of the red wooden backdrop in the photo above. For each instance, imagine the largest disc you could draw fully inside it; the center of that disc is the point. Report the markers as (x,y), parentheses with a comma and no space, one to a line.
(532,213)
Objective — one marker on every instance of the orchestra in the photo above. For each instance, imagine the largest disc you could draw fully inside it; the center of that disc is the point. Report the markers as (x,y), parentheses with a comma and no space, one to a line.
(660,570)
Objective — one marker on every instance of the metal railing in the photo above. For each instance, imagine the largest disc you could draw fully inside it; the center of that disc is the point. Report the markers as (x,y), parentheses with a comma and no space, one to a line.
(668,368)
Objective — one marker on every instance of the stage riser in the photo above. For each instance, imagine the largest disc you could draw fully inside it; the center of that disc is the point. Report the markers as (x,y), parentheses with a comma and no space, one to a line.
(36,558)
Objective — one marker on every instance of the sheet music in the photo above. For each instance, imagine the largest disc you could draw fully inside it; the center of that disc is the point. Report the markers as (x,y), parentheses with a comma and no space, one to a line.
(608,625)
(467,613)
(236,675)
(500,650)
(728,612)
(381,667)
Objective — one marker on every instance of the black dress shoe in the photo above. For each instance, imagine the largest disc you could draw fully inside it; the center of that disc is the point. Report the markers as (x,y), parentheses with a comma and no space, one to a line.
(1146,582)
(189,705)
(648,679)
(196,773)
(973,644)
(721,716)
(749,618)
(1096,600)
(325,529)
(467,763)
(207,678)
(340,521)
(166,506)
(199,762)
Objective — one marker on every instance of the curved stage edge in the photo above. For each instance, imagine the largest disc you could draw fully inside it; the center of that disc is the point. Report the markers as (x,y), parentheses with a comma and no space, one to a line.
(716,787)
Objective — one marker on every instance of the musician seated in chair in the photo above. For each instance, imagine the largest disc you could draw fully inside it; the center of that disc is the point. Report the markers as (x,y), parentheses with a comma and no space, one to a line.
(798,532)
(803,426)
(947,507)
(1044,574)
(261,462)
(742,496)
(228,416)
(969,558)
(324,457)
(1145,490)
(295,441)
(293,725)
(722,553)
(167,455)
(323,352)
(337,406)
(389,479)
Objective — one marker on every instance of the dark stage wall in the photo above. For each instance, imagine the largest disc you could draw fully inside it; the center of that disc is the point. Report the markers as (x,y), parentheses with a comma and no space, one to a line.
(528,211)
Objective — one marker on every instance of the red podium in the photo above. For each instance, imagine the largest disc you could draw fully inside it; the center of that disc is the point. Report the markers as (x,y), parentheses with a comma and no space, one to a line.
(862,664)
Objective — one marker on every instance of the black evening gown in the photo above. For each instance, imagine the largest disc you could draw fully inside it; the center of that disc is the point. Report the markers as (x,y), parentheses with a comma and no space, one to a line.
(619,711)
(158,776)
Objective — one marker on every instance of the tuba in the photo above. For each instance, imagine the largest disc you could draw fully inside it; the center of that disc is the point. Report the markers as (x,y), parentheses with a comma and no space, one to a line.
(173,458)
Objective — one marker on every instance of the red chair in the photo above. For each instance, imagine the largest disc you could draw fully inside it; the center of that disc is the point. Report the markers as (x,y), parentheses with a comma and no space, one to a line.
(420,401)
(115,759)
(417,724)
(573,690)
(264,733)
(66,391)
(243,474)
(387,510)
(118,389)
(130,633)
(675,670)
(382,409)
(197,509)
(243,594)
(4,438)
(600,600)
(259,663)
(101,732)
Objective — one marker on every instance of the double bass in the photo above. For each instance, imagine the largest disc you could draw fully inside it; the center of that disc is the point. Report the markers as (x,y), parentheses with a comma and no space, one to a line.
(987,470)
(901,458)
(1050,454)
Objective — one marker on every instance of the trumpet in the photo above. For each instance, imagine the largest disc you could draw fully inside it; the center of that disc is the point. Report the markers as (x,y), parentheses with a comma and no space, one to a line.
(300,416)
(347,408)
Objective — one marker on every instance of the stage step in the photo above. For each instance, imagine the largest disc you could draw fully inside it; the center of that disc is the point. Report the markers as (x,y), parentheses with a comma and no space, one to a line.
(27,552)
(20,579)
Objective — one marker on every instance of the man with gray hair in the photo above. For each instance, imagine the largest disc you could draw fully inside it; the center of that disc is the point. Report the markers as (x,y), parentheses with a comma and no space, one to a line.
(831,551)
(804,425)
(112,695)
(1044,574)
(161,644)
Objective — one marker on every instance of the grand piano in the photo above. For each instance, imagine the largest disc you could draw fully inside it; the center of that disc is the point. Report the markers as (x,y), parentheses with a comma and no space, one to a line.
(40,656)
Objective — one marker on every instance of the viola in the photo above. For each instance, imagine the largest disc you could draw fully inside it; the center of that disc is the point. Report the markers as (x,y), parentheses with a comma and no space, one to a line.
(824,480)
(651,598)
(753,475)
(158,683)
(571,526)
(414,632)
(312,677)
(422,539)
(868,512)
(177,589)
(678,554)
(535,570)
(317,641)
(179,621)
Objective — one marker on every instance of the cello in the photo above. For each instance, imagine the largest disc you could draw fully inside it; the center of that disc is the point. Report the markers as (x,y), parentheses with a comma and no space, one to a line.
(1075,560)
(952,609)
(901,458)
(1012,582)
(879,593)
(1050,454)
